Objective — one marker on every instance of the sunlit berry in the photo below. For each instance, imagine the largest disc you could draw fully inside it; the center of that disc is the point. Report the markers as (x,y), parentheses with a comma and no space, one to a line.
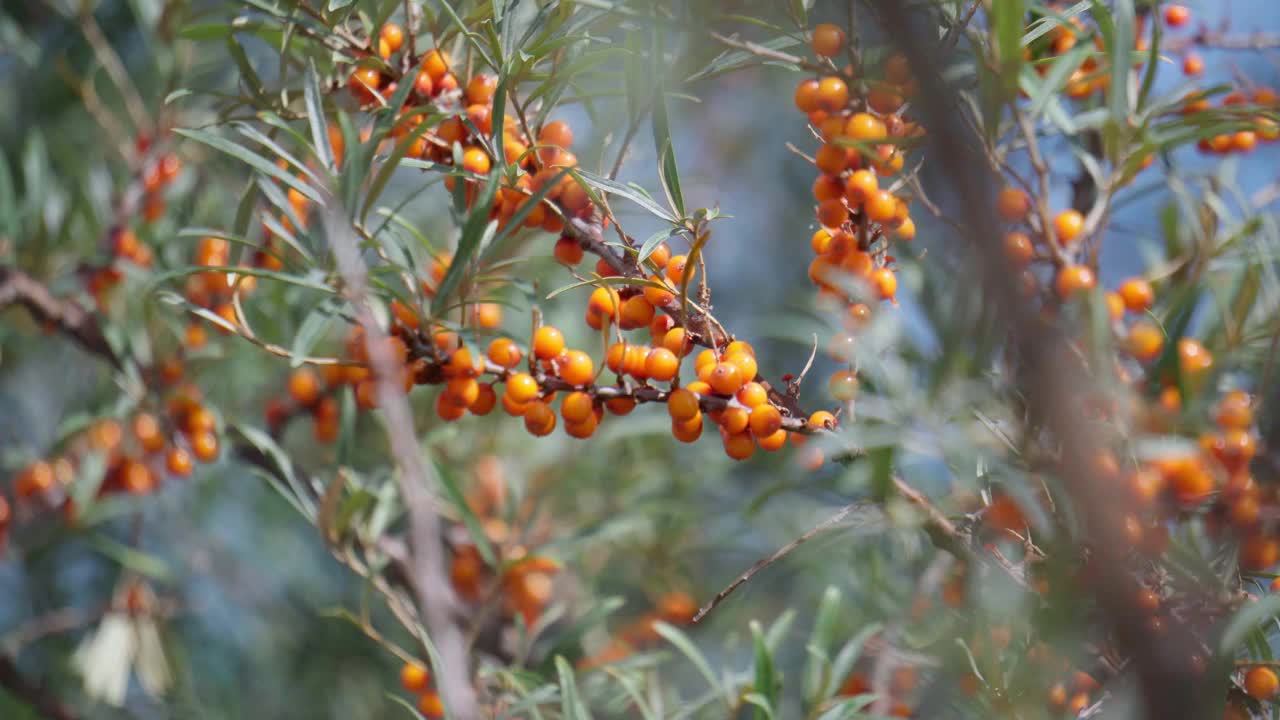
(1068,225)
(548,342)
(827,40)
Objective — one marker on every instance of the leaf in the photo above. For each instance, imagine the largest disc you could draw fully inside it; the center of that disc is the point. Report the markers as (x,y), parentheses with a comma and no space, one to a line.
(131,558)
(253,159)
(242,62)
(817,670)
(315,117)
(1121,50)
(299,498)
(571,705)
(613,187)
(1007,18)
(1244,622)
(668,172)
(848,655)
(682,643)
(474,527)
(766,682)
(477,228)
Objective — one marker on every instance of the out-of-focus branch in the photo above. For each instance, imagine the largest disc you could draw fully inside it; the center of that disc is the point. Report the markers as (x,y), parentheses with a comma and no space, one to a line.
(26,691)
(429,577)
(18,288)
(1220,40)
(1052,382)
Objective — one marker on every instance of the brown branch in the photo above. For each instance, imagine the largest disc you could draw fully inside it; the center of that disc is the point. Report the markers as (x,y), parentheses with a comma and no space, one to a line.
(429,576)
(1053,384)
(38,697)
(18,288)
(777,555)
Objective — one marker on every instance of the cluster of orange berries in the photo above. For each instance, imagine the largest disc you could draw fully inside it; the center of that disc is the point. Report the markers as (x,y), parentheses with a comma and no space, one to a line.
(1264,129)
(138,455)
(1013,205)
(863,134)
(214,290)
(158,174)
(469,126)
(526,579)
(673,608)
(416,678)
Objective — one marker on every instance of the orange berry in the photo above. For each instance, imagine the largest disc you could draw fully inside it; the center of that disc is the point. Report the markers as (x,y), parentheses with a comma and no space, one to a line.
(740,446)
(831,158)
(522,388)
(1073,279)
(726,378)
(832,213)
(687,431)
(765,420)
(1145,341)
(636,313)
(752,394)
(504,351)
(746,363)
(393,36)
(1192,64)
(620,406)
(1235,411)
(1176,15)
(1013,204)
(604,301)
(827,40)
(822,420)
(1068,225)
(481,89)
(539,418)
(885,282)
(1018,248)
(843,385)
(364,83)
(865,127)
(304,386)
(862,185)
(682,405)
(475,160)
(462,391)
(436,64)
(178,462)
(806,96)
(833,94)
(557,133)
(430,705)
(661,364)
(414,678)
(1193,358)
(734,419)
(548,342)
(1261,683)
(147,430)
(485,400)
(675,270)
(576,367)
(568,251)
(677,341)
(576,407)
(205,446)
(880,206)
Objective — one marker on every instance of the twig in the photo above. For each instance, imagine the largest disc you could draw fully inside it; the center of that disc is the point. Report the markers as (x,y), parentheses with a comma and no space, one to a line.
(16,287)
(777,555)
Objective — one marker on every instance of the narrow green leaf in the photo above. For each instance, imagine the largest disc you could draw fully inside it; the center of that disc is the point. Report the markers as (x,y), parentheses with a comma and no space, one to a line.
(682,643)
(474,528)
(766,682)
(252,158)
(1007,17)
(570,704)
(316,118)
(613,187)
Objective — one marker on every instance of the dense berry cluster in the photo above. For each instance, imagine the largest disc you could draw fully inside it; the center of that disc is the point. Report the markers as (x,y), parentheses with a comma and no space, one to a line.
(137,454)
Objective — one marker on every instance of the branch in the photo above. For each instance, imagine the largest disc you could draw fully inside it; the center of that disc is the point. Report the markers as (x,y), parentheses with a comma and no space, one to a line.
(429,577)
(18,288)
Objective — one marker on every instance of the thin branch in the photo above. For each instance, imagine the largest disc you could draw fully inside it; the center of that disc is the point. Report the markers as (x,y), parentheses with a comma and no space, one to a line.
(430,579)
(18,288)
(777,555)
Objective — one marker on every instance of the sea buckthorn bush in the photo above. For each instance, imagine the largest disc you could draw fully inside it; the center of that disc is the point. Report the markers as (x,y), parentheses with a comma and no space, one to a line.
(526,358)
